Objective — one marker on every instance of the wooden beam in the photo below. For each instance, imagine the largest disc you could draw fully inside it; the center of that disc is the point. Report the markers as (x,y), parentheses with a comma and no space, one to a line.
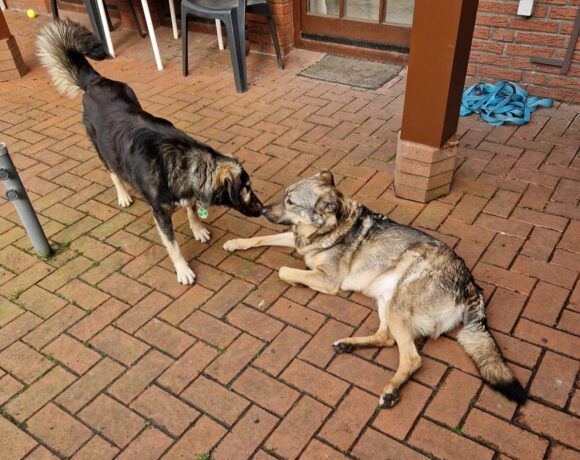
(440,45)
(11,63)
(4,30)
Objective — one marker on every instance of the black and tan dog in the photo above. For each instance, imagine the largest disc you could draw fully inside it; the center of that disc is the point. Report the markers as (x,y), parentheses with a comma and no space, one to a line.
(422,288)
(166,166)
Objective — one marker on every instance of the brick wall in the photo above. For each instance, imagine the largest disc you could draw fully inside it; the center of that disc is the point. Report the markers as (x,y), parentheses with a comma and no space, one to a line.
(504,42)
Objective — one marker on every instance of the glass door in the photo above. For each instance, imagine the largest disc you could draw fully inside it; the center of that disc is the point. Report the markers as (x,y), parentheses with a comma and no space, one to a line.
(385,22)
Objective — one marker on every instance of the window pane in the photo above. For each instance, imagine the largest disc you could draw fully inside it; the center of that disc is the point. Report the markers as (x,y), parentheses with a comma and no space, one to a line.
(323,7)
(367,10)
(399,12)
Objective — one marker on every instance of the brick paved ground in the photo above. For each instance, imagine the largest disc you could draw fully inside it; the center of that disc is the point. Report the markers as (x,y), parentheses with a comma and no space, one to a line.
(103,354)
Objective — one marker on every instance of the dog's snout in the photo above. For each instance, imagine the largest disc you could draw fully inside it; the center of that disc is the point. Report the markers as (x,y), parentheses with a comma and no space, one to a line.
(265,210)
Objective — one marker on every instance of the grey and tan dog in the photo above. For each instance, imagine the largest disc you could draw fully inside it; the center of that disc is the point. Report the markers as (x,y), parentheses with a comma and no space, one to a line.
(422,288)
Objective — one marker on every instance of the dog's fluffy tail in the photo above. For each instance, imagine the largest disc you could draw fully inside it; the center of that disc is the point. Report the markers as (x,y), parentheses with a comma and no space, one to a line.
(62,47)
(482,348)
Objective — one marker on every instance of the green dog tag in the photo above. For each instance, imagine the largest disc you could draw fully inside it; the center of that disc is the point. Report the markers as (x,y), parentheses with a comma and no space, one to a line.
(202,212)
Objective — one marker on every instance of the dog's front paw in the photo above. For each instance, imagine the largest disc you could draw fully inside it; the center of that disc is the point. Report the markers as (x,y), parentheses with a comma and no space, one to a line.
(284,274)
(124,200)
(388,400)
(201,234)
(237,244)
(185,275)
(342,347)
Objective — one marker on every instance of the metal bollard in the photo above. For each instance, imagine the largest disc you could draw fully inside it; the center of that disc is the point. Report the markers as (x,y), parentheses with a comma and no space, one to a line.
(16,193)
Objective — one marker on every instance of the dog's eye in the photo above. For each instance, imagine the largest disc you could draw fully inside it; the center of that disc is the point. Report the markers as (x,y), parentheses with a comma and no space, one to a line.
(289,202)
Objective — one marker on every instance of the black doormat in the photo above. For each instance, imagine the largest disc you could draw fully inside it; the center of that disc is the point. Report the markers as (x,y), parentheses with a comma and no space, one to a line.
(353,72)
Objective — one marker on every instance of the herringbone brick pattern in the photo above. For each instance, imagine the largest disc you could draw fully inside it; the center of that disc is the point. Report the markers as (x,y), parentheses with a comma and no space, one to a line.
(103,354)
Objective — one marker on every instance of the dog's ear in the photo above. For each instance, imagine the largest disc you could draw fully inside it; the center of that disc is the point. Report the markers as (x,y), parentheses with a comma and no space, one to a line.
(327,177)
(226,173)
(327,204)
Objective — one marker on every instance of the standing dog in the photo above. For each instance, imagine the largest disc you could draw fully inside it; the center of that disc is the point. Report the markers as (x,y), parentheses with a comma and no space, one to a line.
(422,288)
(166,166)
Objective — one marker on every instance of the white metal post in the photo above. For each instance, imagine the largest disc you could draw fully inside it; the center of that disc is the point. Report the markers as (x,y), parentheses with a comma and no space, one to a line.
(103,15)
(173,19)
(152,36)
(218,26)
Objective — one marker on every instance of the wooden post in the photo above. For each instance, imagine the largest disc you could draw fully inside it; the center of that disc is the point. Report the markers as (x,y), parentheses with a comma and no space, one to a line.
(4,30)
(439,53)
(11,63)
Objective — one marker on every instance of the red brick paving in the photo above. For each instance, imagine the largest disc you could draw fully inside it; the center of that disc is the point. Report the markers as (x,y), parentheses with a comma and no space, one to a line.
(103,354)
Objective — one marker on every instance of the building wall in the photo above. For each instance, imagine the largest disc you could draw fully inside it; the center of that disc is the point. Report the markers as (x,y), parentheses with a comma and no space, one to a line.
(504,42)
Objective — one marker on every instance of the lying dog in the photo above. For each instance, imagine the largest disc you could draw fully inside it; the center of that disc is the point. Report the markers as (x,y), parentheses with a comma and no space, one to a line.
(166,166)
(422,288)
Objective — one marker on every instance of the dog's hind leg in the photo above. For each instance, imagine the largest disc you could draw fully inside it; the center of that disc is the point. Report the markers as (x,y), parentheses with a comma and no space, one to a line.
(241,244)
(409,360)
(381,338)
(200,233)
(185,274)
(123,197)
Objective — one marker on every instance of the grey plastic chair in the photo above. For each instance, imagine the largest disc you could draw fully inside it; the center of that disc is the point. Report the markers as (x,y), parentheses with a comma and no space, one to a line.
(233,14)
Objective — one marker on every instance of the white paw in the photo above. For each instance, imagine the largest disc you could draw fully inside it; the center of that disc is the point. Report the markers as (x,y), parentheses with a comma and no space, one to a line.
(201,234)
(284,274)
(234,245)
(185,275)
(125,200)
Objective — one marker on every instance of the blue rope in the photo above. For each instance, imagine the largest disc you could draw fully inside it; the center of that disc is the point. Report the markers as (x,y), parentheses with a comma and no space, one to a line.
(500,103)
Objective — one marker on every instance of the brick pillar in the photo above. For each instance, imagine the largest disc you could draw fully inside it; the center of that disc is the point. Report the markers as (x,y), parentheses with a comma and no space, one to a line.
(440,46)
(11,63)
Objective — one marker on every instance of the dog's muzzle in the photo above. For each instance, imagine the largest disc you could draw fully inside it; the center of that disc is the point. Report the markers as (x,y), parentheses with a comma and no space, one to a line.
(269,212)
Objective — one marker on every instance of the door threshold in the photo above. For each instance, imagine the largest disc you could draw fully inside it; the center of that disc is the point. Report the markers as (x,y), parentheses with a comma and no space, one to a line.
(353,48)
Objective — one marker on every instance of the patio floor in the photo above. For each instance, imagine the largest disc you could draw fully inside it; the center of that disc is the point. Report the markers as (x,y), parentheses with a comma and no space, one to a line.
(102,353)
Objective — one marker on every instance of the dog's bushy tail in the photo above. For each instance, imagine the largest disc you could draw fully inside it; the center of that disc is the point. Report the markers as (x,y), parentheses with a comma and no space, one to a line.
(62,47)
(482,348)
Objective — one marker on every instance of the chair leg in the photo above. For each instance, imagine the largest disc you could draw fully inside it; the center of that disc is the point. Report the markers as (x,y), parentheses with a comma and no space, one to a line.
(184,41)
(173,19)
(275,40)
(237,53)
(241,21)
(218,28)
(94,18)
(135,18)
(54,8)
